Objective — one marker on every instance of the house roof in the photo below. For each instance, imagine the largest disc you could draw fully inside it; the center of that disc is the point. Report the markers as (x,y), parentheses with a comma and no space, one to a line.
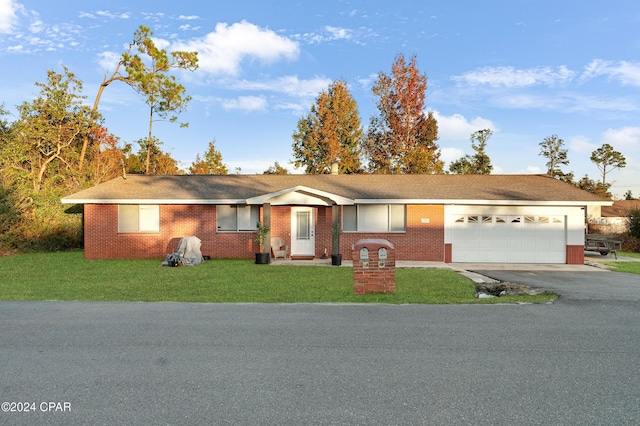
(335,189)
(619,208)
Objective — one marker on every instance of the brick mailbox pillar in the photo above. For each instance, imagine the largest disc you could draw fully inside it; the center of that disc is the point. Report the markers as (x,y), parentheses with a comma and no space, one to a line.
(374,266)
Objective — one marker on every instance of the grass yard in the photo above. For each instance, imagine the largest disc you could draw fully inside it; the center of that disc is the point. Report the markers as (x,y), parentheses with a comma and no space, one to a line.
(629,254)
(629,267)
(68,276)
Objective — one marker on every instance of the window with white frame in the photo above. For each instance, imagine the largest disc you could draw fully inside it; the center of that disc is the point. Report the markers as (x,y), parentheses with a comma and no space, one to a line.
(237,218)
(374,218)
(138,218)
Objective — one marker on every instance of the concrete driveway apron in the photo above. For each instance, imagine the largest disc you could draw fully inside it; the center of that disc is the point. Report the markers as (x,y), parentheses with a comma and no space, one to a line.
(571,282)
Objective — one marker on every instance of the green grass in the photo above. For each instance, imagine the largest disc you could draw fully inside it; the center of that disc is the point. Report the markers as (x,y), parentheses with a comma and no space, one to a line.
(68,276)
(629,254)
(629,267)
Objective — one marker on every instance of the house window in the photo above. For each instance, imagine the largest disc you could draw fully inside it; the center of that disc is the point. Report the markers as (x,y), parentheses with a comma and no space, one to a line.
(374,218)
(237,218)
(138,218)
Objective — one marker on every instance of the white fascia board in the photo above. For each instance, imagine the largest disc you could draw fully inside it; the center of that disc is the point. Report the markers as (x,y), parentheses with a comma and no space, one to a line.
(484,202)
(149,201)
(261,199)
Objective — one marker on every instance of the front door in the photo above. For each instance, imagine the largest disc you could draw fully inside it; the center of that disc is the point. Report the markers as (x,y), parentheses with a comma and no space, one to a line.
(303,232)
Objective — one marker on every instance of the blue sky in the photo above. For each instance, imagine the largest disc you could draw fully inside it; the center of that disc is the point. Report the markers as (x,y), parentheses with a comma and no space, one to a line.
(525,69)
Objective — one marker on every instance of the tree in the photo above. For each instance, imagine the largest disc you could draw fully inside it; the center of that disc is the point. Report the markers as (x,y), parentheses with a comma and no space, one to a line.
(107,160)
(212,163)
(597,188)
(331,132)
(50,130)
(478,163)
(276,169)
(607,160)
(552,148)
(161,162)
(150,78)
(401,139)
(633,222)
(628,195)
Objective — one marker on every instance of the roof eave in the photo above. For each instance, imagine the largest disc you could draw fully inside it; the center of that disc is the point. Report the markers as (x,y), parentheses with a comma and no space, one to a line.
(149,201)
(570,203)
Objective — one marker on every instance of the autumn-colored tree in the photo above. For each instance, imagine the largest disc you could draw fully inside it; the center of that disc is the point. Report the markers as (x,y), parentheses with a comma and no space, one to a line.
(478,163)
(276,169)
(212,163)
(331,132)
(402,138)
(148,75)
(552,148)
(161,162)
(107,161)
(607,160)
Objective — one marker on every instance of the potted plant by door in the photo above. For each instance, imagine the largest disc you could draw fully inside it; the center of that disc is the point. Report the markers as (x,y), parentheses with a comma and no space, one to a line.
(262,233)
(336,232)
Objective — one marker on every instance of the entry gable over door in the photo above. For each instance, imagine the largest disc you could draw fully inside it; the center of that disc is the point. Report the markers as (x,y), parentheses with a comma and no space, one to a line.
(301,196)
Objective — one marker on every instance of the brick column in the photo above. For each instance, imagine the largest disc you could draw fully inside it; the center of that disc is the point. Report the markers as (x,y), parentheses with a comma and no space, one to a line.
(372,273)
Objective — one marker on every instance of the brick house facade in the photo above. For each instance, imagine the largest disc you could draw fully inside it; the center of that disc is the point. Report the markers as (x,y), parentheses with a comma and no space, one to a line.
(450,218)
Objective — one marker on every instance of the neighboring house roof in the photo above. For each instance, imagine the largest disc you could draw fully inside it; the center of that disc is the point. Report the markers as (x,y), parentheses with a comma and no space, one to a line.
(619,208)
(338,189)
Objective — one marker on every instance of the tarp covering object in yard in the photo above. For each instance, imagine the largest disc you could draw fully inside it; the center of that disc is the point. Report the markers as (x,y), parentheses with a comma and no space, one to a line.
(187,253)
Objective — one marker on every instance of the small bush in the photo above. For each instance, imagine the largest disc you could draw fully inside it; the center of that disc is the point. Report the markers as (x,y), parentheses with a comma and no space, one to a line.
(633,218)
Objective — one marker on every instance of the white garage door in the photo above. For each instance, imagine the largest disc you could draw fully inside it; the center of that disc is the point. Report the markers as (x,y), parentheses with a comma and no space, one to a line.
(508,239)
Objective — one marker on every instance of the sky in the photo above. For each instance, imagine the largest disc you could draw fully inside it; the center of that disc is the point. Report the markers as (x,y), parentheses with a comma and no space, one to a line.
(527,70)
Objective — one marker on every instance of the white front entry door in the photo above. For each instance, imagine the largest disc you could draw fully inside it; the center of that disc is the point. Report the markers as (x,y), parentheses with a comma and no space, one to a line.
(303,232)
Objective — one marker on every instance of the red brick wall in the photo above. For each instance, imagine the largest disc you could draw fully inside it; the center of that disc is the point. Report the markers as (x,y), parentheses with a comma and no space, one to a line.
(371,276)
(575,255)
(102,240)
(423,240)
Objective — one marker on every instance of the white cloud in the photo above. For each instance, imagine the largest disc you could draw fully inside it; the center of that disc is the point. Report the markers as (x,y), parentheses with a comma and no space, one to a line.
(188,18)
(290,85)
(108,61)
(450,154)
(8,15)
(511,77)
(327,34)
(223,50)
(245,103)
(581,144)
(624,138)
(457,128)
(107,14)
(627,73)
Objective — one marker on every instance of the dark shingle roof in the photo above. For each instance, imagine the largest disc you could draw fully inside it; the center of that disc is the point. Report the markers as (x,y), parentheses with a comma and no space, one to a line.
(620,208)
(235,188)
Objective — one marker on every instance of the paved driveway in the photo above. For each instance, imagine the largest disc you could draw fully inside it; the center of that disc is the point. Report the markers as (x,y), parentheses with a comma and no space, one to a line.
(572,282)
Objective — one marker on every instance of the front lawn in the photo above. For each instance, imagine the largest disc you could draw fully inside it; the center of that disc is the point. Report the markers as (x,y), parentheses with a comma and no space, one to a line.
(68,276)
(629,267)
(629,254)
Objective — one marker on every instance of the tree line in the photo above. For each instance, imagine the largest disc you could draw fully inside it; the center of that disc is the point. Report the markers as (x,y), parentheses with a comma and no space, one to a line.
(59,145)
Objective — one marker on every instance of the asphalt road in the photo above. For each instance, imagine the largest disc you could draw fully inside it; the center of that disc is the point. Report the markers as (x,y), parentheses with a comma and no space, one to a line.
(259,364)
